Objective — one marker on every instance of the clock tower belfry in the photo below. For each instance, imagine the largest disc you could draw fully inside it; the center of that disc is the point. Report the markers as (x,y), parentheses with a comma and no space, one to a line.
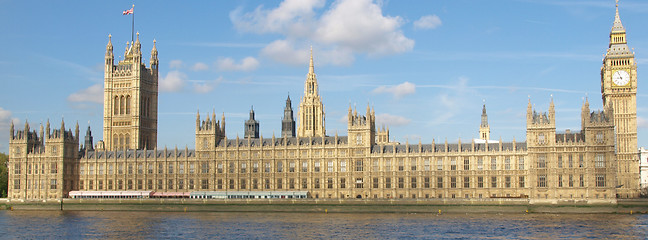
(619,89)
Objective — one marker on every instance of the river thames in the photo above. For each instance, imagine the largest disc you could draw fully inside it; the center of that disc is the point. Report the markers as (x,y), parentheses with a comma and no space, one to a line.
(212,225)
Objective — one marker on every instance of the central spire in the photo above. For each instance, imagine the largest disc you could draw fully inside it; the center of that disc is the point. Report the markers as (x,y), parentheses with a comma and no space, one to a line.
(618,26)
(311,109)
(311,68)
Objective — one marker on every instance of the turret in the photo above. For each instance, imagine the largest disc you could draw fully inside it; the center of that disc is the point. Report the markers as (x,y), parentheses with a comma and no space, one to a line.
(198,120)
(47,129)
(11,131)
(251,126)
(288,122)
(110,58)
(154,57)
(76,131)
(89,146)
(223,123)
(484,129)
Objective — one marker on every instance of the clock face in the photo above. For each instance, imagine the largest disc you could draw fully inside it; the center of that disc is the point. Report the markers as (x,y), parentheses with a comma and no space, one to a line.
(621,78)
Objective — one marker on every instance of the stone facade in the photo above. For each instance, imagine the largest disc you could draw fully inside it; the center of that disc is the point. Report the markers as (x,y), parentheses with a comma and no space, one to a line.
(548,167)
(619,90)
(130,99)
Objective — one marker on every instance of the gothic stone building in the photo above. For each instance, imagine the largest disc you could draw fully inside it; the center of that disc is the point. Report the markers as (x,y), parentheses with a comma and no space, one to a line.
(596,164)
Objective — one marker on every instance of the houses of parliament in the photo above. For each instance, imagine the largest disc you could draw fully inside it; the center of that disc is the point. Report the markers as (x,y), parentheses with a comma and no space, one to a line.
(597,164)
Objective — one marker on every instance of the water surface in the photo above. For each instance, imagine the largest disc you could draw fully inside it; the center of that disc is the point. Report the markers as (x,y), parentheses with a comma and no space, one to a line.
(211,225)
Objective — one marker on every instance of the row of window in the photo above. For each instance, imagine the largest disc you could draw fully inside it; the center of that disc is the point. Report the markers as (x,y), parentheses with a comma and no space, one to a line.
(570,181)
(267,167)
(34,168)
(36,184)
(294,183)
(599,161)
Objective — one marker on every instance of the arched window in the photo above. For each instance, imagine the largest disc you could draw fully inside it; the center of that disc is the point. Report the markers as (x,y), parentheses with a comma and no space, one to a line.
(128,103)
(127,141)
(115,142)
(121,105)
(116,105)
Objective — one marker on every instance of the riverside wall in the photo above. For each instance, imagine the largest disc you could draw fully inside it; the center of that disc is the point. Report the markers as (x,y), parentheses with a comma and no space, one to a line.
(436,206)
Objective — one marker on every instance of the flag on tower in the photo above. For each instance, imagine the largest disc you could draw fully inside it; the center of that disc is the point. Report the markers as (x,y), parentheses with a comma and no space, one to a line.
(127,12)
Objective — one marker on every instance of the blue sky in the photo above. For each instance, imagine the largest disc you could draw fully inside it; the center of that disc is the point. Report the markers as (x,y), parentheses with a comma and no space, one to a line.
(425,66)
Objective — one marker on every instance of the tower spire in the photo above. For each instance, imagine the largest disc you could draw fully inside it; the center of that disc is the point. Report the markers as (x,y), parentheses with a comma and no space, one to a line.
(618,26)
(311,109)
(311,67)
(484,129)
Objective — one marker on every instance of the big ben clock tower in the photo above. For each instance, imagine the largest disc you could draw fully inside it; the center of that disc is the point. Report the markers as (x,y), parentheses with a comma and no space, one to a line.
(619,88)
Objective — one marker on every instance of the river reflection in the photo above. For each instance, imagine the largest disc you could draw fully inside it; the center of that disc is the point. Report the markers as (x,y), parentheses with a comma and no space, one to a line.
(210,225)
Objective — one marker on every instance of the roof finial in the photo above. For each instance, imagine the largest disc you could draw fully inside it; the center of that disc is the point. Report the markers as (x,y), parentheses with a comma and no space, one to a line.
(311,68)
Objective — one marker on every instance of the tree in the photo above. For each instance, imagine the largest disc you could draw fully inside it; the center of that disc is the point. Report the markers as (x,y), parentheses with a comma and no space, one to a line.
(4,174)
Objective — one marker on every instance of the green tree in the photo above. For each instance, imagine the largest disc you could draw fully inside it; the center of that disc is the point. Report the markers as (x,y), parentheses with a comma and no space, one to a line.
(4,174)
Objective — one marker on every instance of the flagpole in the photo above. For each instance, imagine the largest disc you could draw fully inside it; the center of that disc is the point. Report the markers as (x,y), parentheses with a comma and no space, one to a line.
(133,25)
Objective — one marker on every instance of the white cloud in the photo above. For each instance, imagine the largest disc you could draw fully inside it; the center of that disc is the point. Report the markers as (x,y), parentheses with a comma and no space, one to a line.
(176,64)
(92,94)
(391,120)
(452,102)
(284,51)
(346,28)
(642,122)
(228,64)
(174,81)
(398,91)
(199,67)
(206,86)
(361,26)
(291,16)
(428,22)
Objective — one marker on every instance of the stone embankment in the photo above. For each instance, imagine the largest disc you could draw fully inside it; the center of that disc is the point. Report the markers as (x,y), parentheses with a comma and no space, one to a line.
(327,205)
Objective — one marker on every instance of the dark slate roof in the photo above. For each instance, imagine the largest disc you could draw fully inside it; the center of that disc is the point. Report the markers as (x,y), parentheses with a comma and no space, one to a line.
(139,154)
(570,137)
(290,141)
(454,147)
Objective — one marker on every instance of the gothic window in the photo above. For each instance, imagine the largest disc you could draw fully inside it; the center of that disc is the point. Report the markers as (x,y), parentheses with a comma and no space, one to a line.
(128,103)
(599,137)
(358,139)
(542,181)
(453,164)
(542,161)
(116,105)
(541,138)
(600,180)
(599,161)
(127,141)
(122,106)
